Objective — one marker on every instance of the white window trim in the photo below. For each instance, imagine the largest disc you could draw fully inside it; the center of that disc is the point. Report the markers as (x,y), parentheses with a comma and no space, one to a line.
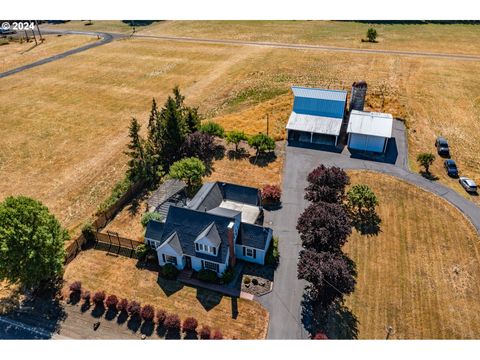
(206,249)
(171,257)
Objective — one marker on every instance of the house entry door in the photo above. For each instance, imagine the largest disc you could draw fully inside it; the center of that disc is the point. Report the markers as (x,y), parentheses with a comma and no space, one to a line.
(188,262)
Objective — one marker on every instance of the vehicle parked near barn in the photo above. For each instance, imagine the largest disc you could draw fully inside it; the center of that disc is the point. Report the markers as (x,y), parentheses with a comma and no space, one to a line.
(451,167)
(468,184)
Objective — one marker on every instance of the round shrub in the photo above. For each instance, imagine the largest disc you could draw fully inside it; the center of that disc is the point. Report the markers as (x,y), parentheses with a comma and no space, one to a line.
(141,251)
(99,297)
(254,281)
(207,275)
(76,286)
(172,322)
(150,216)
(228,275)
(217,335)
(169,271)
(271,193)
(205,333)
(320,336)
(247,280)
(134,308)
(212,128)
(111,301)
(148,312)
(161,316)
(190,324)
(122,305)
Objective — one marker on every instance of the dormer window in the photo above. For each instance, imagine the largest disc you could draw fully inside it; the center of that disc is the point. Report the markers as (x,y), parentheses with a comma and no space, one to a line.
(205,248)
(208,241)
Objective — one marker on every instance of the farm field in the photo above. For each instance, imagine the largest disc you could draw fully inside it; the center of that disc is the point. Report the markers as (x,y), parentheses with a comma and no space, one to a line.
(421,273)
(16,54)
(65,132)
(120,276)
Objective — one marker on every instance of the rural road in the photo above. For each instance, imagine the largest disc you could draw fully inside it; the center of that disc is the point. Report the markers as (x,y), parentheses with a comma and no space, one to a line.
(107,37)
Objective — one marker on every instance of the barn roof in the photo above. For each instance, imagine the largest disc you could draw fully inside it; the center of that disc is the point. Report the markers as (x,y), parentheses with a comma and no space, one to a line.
(314,123)
(370,123)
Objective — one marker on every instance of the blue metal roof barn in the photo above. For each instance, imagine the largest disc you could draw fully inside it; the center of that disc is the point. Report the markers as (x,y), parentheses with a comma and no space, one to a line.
(317,115)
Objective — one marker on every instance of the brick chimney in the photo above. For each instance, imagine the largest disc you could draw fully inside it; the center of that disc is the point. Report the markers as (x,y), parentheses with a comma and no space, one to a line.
(231,244)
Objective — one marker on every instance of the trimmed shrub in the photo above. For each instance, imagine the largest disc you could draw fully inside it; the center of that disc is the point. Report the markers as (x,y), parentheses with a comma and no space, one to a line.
(212,128)
(247,280)
(320,336)
(148,312)
(76,286)
(134,308)
(273,255)
(190,324)
(261,143)
(207,275)
(122,305)
(150,216)
(161,316)
(271,193)
(112,301)
(99,297)
(228,275)
(254,281)
(88,232)
(172,322)
(141,251)
(205,333)
(217,335)
(169,271)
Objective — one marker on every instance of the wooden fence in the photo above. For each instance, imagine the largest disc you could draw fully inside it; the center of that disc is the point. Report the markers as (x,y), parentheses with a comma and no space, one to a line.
(101,221)
(112,242)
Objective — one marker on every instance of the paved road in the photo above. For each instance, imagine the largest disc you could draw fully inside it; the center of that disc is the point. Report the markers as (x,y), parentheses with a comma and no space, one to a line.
(284,302)
(105,39)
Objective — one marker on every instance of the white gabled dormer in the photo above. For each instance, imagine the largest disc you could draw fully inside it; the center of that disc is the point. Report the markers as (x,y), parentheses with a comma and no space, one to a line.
(208,241)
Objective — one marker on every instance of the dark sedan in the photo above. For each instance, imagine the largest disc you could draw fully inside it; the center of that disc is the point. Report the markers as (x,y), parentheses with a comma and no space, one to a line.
(451,167)
(442,146)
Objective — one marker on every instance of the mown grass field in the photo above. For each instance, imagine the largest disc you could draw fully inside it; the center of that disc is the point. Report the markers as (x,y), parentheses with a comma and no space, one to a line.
(235,318)
(421,273)
(15,54)
(65,132)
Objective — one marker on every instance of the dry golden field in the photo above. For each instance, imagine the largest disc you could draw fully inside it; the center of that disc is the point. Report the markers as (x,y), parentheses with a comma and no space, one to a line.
(421,274)
(16,54)
(65,133)
(120,276)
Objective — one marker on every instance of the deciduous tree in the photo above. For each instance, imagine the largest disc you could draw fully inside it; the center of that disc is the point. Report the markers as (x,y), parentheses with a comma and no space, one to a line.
(32,242)
(324,227)
(361,200)
(212,128)
(261,143)
(426,160)
(200,145)
(326,184)
(235,137)
(331,274)
(191,170)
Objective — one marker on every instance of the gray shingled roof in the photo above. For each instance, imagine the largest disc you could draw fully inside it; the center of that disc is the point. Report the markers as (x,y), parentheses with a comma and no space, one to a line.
(174,242)
(154,230)
(224,212)
(254,236)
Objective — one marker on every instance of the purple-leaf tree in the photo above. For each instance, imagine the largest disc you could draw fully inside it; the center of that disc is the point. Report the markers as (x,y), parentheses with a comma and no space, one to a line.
(326,184)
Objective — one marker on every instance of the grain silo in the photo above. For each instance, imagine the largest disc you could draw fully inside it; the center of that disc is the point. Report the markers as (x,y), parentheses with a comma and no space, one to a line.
(359,91)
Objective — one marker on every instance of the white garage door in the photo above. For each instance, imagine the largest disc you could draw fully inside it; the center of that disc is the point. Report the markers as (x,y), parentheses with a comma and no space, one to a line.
(366,142)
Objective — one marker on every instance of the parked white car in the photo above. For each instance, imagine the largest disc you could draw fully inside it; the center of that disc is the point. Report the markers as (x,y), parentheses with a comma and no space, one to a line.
(468,184)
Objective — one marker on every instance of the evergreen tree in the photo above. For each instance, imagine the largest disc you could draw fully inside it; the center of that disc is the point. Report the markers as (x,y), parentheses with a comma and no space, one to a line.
(192,120)
(173,132)
(136,152)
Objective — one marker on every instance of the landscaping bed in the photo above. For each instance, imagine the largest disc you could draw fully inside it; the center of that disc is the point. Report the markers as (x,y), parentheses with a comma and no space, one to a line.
(257,280)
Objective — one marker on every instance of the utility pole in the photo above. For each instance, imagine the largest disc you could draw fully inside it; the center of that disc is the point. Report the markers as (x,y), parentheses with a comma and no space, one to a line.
(39,33)
(33,32)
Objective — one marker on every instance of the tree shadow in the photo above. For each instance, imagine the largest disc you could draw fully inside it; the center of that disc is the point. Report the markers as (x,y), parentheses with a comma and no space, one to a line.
(85,306)
(147,328)
(169,287)
(98,310)
(191,335)
(237,155)
(75,297)
(429,176)
(209,299)
(122,318)
(134,323)
(173,334)
(219,153)
(263,159)
(334,319)
(111,313)
(161,331)
(367,224)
